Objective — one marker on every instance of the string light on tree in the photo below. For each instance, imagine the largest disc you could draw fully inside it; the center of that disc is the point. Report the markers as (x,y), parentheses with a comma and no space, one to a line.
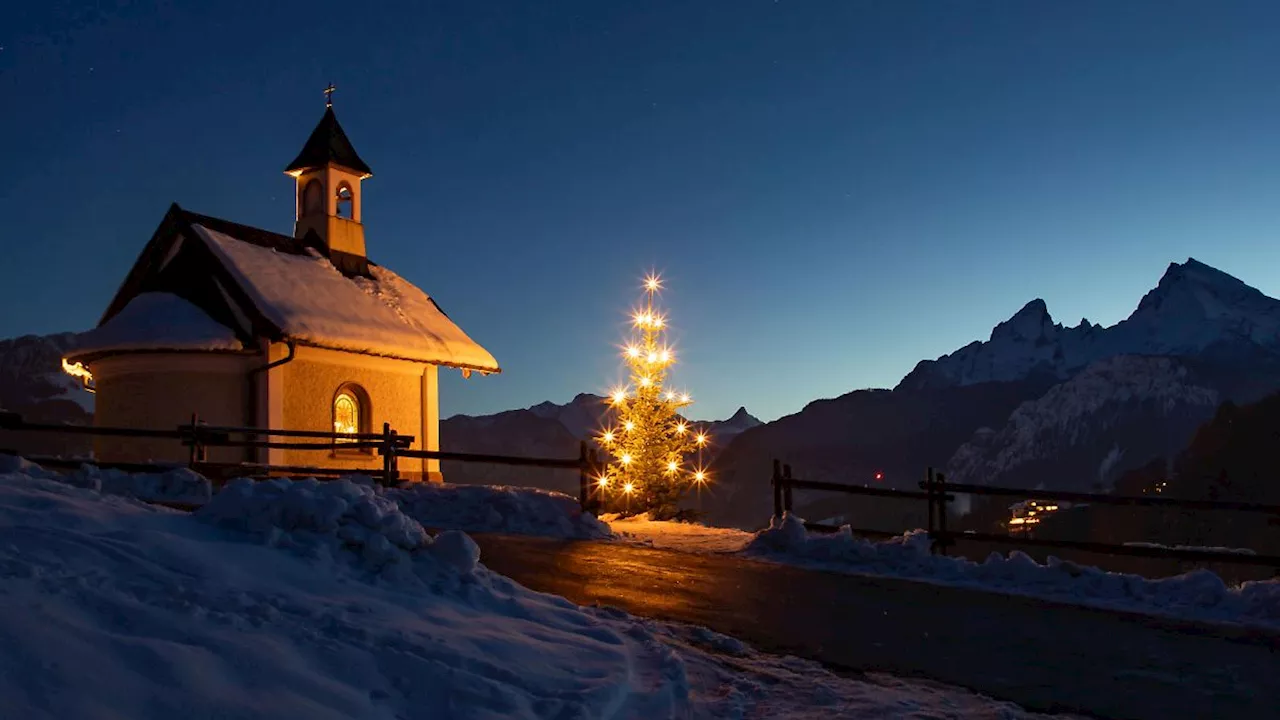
(650,441)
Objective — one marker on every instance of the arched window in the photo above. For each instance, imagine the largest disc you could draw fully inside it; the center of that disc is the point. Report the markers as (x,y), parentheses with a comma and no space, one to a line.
(313,198)
(345,201)
(350,412)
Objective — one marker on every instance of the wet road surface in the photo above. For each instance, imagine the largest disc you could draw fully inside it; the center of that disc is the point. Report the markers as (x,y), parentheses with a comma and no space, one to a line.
(1043,656)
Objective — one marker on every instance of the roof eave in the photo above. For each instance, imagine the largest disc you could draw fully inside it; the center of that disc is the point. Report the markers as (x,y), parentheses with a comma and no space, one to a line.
(94,355)
(297,171)
(487,369)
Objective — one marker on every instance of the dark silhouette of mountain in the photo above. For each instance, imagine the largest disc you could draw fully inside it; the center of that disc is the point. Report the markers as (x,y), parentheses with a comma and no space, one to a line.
(1036,405)
(544,430)
(32,383)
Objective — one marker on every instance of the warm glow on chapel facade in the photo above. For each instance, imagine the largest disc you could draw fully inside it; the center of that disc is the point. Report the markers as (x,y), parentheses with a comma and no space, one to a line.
(244,327)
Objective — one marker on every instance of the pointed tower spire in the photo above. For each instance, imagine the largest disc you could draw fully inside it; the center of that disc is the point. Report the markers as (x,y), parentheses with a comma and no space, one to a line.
(328,144)
(328,173)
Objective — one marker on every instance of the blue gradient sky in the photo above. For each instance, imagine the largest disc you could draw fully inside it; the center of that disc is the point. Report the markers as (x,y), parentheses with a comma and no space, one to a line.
(833,190)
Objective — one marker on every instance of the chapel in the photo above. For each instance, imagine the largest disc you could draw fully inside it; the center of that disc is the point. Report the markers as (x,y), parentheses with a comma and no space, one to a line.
(246,327)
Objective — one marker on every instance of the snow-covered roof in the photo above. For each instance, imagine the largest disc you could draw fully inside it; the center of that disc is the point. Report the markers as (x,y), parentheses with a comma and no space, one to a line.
(311,302)
(157,321)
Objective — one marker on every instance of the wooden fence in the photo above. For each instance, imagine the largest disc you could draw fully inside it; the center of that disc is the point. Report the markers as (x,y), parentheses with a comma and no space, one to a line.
(937,495)
(199,437)
(587,464)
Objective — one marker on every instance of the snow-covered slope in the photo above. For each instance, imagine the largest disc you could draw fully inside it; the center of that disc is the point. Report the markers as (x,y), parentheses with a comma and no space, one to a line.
(1082,434)
(1194,309)
(309,600)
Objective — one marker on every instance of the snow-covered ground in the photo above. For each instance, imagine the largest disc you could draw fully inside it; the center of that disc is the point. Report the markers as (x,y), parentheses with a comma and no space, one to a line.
(179,485)
(324,600)
(1197,595)
(683,536)
(486,508)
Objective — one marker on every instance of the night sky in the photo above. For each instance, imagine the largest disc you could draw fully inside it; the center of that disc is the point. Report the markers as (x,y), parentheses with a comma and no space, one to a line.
(832,190)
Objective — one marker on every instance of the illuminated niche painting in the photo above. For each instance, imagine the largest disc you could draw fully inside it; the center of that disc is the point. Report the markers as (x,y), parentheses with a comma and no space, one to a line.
(346,415)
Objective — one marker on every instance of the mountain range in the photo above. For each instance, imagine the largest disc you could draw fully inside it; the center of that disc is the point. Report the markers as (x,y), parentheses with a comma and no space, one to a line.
(32,383)
(1036,405)
(546,430)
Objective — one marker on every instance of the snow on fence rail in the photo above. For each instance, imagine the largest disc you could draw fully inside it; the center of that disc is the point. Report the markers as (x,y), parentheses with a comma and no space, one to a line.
(937,493)
(199,437)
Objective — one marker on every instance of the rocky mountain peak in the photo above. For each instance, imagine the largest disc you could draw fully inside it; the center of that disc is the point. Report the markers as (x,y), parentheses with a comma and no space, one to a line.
(1031,323)
(1198,283)
(1193,309)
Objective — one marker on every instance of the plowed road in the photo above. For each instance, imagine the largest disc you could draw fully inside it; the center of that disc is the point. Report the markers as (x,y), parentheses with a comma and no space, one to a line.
(1044,656)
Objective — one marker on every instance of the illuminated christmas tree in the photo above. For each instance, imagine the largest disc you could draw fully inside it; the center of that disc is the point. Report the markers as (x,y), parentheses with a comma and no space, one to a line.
(648,441)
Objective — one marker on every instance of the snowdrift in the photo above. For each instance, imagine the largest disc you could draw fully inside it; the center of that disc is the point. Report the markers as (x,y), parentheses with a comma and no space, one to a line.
(178,485)
(326,600)
(1197,595)
(486,508)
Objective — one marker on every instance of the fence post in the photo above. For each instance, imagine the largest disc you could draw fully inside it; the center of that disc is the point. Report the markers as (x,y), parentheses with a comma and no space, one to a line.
(597,502)
(786,488)
(776,481)
(395,456)
(584,498)
(388,455)
(929,500)
(198,453)
(944,539)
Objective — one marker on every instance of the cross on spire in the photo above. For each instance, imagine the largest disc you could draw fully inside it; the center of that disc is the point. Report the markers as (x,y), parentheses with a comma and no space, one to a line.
(328,95)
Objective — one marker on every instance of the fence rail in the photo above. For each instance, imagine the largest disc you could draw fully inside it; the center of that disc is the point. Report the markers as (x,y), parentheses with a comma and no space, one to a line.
(199,437)
(587,464)
(938,494)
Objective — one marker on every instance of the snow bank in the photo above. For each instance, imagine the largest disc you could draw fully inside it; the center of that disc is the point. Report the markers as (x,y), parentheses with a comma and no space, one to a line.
(178,485)
(1197,595)
(485,508)
(335,517)
(262,605)
(474,508)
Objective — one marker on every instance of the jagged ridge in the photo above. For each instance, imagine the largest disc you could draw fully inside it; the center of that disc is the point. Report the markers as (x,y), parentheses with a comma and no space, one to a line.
(1194,308)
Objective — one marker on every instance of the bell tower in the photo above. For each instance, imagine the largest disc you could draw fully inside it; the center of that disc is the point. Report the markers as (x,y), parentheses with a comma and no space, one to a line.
(328,174)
